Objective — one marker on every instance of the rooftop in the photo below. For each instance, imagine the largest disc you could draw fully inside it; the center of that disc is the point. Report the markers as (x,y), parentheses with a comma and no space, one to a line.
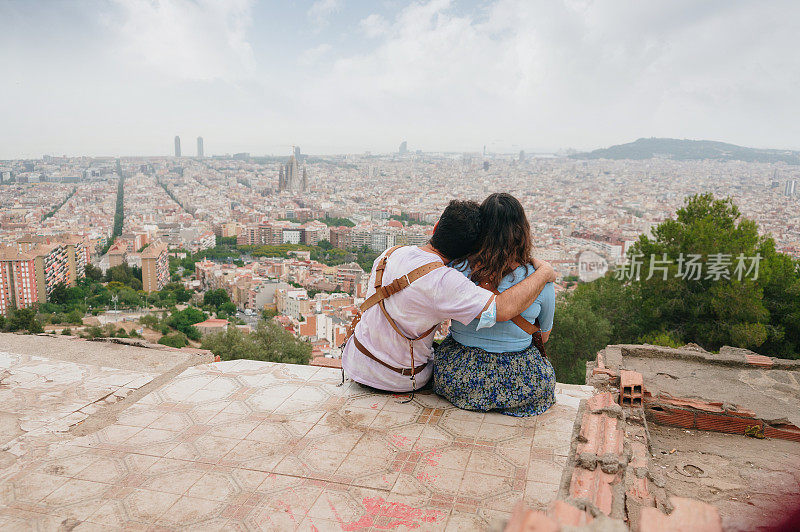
(257,444)
(104,436)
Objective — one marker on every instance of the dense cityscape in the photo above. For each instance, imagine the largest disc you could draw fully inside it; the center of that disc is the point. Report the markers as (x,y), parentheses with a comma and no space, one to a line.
(293,237)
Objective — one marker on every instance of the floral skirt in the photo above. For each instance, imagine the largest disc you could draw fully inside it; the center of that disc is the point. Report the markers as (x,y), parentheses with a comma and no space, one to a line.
(517,384)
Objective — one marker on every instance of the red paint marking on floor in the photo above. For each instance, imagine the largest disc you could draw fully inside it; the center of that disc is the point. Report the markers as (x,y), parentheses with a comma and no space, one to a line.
(432,457)
(399,441)
(397,514)
(425,477)
(375,405)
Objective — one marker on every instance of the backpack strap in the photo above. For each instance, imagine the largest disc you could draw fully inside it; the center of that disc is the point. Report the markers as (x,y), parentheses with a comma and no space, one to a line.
(532,329)
(382,266)
(382,292)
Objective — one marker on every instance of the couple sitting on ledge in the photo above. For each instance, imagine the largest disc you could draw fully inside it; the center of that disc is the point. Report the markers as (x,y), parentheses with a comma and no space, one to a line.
(477,270)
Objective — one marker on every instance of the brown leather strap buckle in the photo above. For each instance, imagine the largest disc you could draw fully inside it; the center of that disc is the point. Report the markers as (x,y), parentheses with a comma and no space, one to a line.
(406,372)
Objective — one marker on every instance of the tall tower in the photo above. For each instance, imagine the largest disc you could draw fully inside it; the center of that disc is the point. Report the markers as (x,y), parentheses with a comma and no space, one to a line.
(305,179)
(177,146)
(403,148)
(297,152)
(200,147)
(291,177)
(281,179)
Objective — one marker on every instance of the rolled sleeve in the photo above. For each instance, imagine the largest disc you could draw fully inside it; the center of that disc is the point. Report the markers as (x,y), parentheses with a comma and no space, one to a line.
(488,316)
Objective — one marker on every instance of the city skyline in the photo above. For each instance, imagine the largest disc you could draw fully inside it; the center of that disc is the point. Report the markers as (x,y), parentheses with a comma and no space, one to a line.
(447,76)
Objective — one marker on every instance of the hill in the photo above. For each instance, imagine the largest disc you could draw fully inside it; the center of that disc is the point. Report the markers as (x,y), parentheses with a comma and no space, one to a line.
(684,150)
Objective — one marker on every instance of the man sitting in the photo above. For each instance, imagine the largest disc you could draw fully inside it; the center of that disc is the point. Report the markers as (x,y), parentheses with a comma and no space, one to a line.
(391,345)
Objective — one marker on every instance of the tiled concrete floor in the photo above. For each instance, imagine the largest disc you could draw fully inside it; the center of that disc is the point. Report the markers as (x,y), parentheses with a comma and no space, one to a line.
(259,446)
(41,396)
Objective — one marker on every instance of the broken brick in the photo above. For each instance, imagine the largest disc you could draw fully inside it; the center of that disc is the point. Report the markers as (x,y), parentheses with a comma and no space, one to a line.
(593,486)
(692,403)
(559,514)
(600,435)
(638,454)
(638,488)
(759,360)
(600,401)
(688,515)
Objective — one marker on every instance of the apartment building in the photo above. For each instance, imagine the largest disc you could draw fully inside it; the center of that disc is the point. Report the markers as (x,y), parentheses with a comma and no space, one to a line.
(155,267)
(19,286)
(77,256)
(30,271)
(76,248)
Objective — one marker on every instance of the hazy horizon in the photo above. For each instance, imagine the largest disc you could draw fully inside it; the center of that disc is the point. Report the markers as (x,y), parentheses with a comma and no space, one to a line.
(123,77)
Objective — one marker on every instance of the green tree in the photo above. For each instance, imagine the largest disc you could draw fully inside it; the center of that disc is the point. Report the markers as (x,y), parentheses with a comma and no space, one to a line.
(59,294)
(762,314)
(269,342)
(711,312)
(184,321)
(578,334)
(125,275)
(227,308)
(215,298)
(94,332)
(93,273)
(24,319)
(231,344)
(74,316)
(781,290)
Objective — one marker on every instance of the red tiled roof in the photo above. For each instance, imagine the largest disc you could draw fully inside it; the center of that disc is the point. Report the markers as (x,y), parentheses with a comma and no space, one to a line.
(326,362)
(212,322)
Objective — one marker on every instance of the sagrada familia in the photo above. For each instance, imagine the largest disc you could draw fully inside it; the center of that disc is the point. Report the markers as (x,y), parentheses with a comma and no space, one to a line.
(289,178)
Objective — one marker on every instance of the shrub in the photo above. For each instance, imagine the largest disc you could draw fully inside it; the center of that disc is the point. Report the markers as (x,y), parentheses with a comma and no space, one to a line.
(173,340)
(94,332)
(663,338)
(74,316)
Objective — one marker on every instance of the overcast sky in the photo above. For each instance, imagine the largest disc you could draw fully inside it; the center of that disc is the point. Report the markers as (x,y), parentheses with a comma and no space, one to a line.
(123,77)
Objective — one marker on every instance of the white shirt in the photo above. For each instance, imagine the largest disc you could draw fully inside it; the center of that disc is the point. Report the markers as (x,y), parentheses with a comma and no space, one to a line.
(442,294)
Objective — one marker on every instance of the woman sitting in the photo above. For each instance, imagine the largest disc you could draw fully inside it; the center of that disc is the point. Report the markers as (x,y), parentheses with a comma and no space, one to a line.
(499,367)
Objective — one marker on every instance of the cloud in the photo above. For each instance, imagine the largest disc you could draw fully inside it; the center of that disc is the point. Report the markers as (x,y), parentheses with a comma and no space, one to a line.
(186,39)
(535,74)
(374,25)
(321,10)
(315,54)
(571,73)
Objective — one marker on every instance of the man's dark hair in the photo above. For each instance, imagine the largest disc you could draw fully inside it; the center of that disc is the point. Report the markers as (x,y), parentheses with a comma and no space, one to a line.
(459,228)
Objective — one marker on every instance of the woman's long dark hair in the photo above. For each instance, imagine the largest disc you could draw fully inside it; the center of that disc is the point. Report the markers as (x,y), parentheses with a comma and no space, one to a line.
(505,241)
